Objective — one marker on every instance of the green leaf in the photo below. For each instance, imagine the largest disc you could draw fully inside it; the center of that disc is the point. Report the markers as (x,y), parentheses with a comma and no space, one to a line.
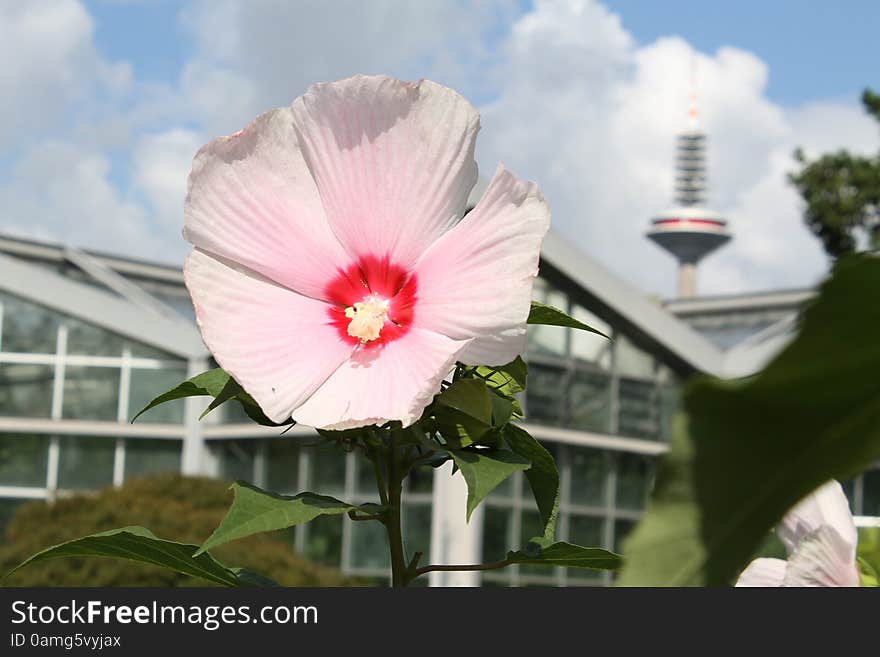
(464,412)
(254,510)
(140,544)
(483,470)
(506,379)
(541,314)
(747,451)
(543,477)
(218,384)
(543,551)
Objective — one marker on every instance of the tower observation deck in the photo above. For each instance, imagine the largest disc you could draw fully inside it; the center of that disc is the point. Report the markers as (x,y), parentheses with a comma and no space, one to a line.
(689,230)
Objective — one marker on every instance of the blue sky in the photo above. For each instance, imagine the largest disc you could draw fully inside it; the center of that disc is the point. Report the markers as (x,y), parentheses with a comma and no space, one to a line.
(106,101)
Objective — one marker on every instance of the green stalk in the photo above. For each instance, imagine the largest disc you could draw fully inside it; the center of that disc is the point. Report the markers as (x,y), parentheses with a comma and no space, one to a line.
(399,570)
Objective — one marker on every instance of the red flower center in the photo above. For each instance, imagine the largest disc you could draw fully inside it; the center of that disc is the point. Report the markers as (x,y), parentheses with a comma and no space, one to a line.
(369,279)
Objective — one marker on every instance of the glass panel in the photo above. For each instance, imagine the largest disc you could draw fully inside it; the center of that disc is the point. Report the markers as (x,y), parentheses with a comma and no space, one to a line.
(420,480)
(632,361)
(88,340)
(324,539)
(327,469)
(90,393)
(282,466)
(148,456)
(639,410)
(145,385)
(871,493)
(27,327)
(140,350)
(417,530)
(369,545)
(548,339)
(622,528)
(26,390)
(23,459)
(233,413)
(590,392)
(588,470)
(237,459)
(543,401)
(8,506)
(589,346)
(634,474)
(586,530)
(85,462)
(496,532)
(669,391)
(365,477)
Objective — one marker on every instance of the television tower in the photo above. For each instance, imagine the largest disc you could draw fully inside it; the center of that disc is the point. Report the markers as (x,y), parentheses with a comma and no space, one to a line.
(689,231)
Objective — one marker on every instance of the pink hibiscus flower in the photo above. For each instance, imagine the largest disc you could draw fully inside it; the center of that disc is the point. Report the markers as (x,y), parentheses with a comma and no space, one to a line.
(820,537)
(333,275)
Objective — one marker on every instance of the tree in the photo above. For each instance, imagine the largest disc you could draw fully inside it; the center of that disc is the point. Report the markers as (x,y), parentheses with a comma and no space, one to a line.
(842,193)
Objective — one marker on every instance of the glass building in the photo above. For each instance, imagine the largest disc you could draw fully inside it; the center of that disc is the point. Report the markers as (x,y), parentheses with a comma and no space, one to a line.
(88,339)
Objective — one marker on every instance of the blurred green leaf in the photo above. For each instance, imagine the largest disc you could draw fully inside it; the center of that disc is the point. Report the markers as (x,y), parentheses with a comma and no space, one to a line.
(140,544)
(541,314)
(254,510)
(542,551)
(506,379)
(746,451)
(484,469)
(464,412)
(543,477)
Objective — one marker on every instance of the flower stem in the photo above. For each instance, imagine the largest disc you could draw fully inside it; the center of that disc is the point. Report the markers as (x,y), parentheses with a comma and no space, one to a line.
(399,570)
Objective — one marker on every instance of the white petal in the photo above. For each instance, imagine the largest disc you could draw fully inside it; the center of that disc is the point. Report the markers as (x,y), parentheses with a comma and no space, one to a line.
(252,200)
(394,382)
(822,558)
(393,160)
(476,280)
(277,344)
(763,572)
(825,506)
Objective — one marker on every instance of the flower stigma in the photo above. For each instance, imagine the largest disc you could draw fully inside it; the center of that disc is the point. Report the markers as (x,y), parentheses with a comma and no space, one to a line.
(367,318)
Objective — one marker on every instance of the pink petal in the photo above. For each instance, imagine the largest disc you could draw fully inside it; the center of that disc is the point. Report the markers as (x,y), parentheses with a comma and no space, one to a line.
(393,160)
(394,382)
(763,572)
(277,344)
(252,200)
(476,280)
(823,558)
(825,506)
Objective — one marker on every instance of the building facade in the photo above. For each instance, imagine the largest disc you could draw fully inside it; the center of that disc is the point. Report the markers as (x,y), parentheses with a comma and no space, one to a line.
(87,339)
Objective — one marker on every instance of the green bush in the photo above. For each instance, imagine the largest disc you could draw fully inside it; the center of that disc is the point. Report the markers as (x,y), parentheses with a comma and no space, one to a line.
(184,509)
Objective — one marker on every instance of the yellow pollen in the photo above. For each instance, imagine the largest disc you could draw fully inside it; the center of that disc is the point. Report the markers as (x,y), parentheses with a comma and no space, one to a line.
(367,318)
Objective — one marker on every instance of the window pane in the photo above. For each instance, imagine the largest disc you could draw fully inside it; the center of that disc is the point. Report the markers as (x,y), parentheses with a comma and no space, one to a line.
(420,480)
(365,477)
(86,339)
(23,459)
(633,479)
(145,385)
(237,459)
(543,398)
(140,350)
(417,530)
(282,466)
(233,413)
(90,393)
(670,400)
(588,470)
(26,390)
(496,532)
(85,462)
(632,361)
(324,539)
(622,528)
(639,409)
(588,346)
(327,469)
(547,339)
(871,493)
(148,456)
(586,530)
(369,545)
(27,327)
(590,400)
